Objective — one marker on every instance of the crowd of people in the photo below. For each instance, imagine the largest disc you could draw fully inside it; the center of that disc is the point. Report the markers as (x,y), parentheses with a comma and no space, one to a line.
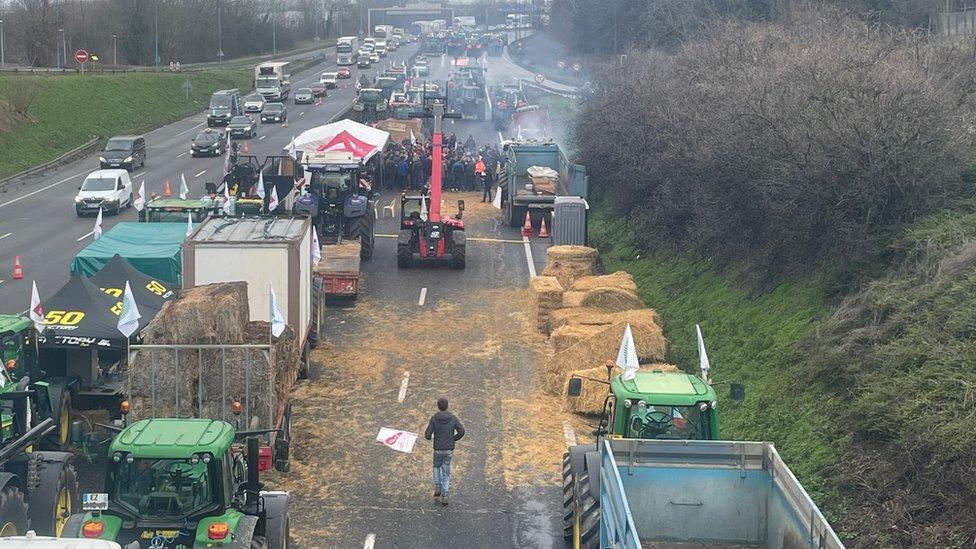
(464,166)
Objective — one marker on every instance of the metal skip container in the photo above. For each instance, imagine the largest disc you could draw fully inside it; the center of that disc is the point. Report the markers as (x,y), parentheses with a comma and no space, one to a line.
(569,220)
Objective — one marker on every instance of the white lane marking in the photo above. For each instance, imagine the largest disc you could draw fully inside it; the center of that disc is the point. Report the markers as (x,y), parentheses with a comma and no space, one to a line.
(528,256)
(5,236)
(137,175)
(201,173)
(423,297)
(569,434)
(42,189)
(403,387)
(301,113)
(370,541)
(262,138)
(84,236)
(182,154)
(189,130)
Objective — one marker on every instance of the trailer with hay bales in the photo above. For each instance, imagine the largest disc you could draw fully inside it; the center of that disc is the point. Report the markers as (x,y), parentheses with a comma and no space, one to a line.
(339,269)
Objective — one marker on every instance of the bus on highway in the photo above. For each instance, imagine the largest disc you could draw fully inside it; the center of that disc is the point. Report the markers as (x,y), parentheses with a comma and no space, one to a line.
(346,51)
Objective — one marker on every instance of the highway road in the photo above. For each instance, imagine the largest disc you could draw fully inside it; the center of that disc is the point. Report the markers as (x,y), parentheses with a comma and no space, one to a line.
(38,221)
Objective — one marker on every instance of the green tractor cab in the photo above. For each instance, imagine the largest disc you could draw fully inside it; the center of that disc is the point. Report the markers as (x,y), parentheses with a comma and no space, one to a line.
(176,210)
(184,483)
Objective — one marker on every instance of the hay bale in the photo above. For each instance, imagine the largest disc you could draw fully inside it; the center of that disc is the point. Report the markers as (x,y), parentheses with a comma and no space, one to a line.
(593,394)
(547,296)
(649,341)
(584,316)
(573,299)
(207,382)
(566,336)
(569,263)
(619,279)
(611,300)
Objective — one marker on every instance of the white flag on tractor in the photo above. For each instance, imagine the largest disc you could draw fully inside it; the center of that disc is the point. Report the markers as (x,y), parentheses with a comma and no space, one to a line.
(292,149)
(129,317)
(423,207)
(227,148)
(273,201)
(627,355)
(260,189)
(316,248)
(189,224)
(36,310)
(226,206)
(277,319)
(184,190)
(497,201)
(97,231)
(702,355)
(140,201)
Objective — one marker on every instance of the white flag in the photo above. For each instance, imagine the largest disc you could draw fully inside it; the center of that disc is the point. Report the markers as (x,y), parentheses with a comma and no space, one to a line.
(226,207)
(227,148)
(316,249)
(140,201)
(129,317)
(497,201)
(36,311)
(277,319)
(702,355)
(413,140)
(184,190)
(260,190)
(401,441)
(273,201)
(189,223)
(627,355)
(423,207)
(292,149)
(97,231)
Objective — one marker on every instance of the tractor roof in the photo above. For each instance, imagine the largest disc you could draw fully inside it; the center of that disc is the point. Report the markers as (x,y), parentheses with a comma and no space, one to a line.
(13,323)
(180,204)
(174,438)
(664,388)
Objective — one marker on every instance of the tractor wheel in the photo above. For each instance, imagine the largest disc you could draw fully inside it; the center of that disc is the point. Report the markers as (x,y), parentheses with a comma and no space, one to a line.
(72,527)
(588,520)
(404,256)
(457,258)
(567,498)
(13,512)
(362,229)
(58,439)
(55,497)
(317,301)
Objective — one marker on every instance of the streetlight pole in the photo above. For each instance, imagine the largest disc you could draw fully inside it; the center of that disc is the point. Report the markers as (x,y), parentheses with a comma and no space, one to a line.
(64,48)
(115,50)
(3,59)
(156,33)
(274,33)
(220,30)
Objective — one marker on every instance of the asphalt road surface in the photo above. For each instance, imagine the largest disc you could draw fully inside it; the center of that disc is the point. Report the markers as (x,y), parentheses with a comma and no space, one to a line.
(38,221)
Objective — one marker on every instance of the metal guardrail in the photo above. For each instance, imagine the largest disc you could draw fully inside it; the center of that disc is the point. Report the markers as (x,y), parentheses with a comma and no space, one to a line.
(69,156)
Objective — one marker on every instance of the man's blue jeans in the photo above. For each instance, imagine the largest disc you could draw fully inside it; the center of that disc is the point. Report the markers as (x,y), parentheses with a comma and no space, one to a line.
(442,470)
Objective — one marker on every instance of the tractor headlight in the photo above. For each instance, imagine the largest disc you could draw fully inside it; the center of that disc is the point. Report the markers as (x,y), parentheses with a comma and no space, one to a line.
(207,458)
(117,457)
(194,459)
(641,405)
(713,404)
(129,459)
(703,406)
(627,403)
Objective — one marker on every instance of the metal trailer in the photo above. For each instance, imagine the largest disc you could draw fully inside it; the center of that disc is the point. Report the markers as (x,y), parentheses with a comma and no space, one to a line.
(668,493)
(339,270)
(519,194)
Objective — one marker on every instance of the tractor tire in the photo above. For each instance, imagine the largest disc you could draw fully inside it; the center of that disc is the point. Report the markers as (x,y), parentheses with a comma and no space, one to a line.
(72,527)
(318,301)
(516,215)
(13,512)
(589,516)
(567,499)
(404,256)
(58,440)
(55,497)
(457,258)
(362,228)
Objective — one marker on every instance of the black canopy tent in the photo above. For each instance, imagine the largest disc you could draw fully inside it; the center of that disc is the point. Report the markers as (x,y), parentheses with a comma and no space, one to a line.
(150,293)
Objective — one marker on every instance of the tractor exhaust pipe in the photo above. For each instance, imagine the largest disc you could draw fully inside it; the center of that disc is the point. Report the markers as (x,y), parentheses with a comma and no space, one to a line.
(253,483)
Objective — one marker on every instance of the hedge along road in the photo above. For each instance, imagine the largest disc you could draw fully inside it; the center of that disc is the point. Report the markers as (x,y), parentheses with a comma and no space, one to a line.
(38,222)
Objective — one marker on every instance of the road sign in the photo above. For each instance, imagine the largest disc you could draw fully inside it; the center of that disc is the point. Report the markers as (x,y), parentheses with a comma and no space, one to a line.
(81,56)
(540,78)
(577,67)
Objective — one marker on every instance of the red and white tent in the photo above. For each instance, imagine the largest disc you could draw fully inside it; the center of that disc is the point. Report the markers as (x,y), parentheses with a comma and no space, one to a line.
(343,136)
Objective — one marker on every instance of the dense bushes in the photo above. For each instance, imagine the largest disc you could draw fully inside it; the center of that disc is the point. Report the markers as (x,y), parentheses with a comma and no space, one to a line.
(783,146)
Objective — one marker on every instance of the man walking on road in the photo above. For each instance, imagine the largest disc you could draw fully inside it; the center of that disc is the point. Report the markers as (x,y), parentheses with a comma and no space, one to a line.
(446,430)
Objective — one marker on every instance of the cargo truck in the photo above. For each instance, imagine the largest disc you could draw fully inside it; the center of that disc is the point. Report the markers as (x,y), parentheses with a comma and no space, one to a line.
(262,251)
(703,494)
(272,81)
(346,48)
(521,194)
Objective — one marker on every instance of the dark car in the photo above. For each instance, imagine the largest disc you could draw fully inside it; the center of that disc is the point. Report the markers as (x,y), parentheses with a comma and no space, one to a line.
(242,127)
(304,96)
(363,62)
(126,151)
(318,89)
(274,112)
(208,143)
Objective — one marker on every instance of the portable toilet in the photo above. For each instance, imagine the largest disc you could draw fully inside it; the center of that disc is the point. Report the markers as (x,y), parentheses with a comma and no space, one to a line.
(569,220)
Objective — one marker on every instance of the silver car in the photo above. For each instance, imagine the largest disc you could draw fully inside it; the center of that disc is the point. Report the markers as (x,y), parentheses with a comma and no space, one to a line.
(254,103)
(304,96)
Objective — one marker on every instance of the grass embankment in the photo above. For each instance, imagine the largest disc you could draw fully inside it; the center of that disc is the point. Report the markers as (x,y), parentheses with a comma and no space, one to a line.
(63,111)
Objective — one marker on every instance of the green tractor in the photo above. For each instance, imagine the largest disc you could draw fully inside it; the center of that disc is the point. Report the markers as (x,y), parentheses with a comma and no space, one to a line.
(655,404)
(371,105)
(187,483)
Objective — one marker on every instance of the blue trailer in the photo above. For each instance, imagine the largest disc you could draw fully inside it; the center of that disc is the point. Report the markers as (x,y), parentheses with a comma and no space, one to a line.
(689,493)
(519,193)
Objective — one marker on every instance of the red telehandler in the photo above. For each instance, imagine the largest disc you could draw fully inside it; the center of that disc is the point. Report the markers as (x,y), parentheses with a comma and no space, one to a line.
(424,234)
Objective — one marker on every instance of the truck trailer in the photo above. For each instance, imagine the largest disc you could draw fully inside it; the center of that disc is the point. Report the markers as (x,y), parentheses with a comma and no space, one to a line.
(522,194)
(272,81)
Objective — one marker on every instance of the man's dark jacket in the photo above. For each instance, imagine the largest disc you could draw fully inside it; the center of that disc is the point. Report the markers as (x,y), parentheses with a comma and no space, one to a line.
(446,429)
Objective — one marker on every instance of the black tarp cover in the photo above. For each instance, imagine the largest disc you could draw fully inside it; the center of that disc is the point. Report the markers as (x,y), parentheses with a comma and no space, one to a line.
(82,315)
(150,293)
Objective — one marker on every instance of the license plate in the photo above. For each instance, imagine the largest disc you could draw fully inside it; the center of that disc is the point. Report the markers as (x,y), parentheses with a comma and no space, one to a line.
(149,534)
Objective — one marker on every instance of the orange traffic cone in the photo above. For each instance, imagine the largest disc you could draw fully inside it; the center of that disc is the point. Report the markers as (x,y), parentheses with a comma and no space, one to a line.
(166,192)
(18,271)
(543,233)
(527,226)
(244,149)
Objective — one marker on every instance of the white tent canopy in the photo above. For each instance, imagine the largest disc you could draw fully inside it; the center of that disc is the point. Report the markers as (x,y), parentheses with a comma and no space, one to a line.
(309,140)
